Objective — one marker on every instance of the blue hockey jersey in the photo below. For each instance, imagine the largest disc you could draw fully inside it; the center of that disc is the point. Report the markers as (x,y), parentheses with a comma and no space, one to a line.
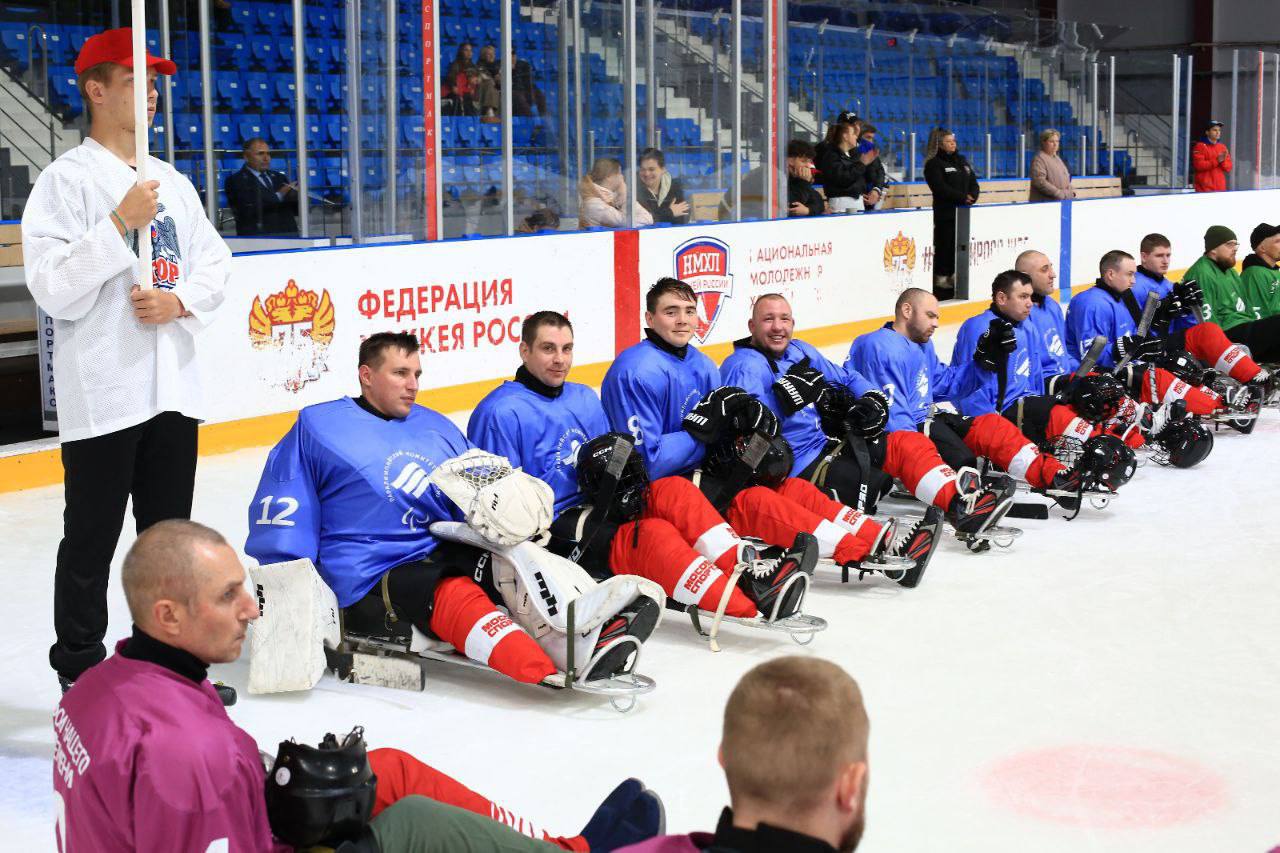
(1145,282)
(910,374)
(348,490)
(1049,325)
(540,434)
(647,392)
(755,372)
(1099,311)
(1023,375)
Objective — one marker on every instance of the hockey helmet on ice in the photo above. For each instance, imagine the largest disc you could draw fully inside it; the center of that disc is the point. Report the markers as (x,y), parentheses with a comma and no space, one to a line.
(1109,461)
(1183,444)
(608,458)
(321,793)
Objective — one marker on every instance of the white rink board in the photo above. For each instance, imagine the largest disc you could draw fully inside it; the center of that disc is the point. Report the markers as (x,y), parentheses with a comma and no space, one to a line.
(999,233)
(1100,225)
(290,367)
(835,269)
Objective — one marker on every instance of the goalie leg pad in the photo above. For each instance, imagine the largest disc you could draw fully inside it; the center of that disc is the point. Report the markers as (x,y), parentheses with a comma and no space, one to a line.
(299,616)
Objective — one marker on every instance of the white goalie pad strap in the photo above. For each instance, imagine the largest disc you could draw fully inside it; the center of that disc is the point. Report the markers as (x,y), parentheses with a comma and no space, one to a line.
(851,519)
(504,505)
(299,617)
(694,581)
(933,481)
(716,541)
(828,535)
(1022,461)
(485,635)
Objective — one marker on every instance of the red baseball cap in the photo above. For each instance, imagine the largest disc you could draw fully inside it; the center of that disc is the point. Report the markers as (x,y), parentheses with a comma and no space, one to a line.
(117,46)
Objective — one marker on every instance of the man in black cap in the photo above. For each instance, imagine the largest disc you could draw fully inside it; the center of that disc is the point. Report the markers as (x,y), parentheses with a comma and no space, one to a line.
(1210,160)
(1228,302)
(1260,275)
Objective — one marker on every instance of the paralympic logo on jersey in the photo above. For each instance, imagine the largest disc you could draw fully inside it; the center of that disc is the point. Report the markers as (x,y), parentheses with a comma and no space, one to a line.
(412,472)
(703,264)
(293,328)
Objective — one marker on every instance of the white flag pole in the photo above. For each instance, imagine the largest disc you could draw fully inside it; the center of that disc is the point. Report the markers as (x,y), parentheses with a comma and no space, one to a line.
(140,130)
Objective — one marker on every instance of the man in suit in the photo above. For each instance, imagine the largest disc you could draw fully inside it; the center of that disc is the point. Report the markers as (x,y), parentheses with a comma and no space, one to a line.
(263,201)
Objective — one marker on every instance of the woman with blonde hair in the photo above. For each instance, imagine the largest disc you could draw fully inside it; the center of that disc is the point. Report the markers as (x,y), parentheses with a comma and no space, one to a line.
(953,183)
(1050,179)
(602,197)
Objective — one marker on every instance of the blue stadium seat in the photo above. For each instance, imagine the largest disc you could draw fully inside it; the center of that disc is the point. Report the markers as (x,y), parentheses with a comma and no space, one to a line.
(225,134)
(411,132)
(265,54)
(280,130)
(258,92)
(228,93)
(285,95)
(246,127)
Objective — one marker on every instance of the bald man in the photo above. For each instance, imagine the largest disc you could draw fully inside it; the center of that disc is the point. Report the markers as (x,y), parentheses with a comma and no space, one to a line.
(812,711)
(900,358)
(147,759)
(825,410)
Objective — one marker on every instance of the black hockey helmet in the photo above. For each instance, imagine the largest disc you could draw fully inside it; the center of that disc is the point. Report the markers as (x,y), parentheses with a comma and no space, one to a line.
(598,462)
(1097,397)
(1183,444)
(321,794)
(1186,367)
(725,460)
(1112,463)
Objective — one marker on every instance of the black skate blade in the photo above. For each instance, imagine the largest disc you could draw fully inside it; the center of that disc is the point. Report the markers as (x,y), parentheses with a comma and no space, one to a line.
(1033,511)
(912,577)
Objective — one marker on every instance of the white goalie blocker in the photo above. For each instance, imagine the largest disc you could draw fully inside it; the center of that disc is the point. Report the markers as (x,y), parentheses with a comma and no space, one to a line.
(504,508)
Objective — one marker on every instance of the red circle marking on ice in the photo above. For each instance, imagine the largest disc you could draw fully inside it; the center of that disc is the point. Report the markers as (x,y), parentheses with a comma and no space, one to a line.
(1110,787)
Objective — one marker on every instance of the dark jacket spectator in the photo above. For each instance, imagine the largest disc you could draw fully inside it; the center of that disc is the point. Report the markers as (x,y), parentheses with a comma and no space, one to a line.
(525,94)
(660,193)
(953,183)
(841,168)
(802,198)
(263,200)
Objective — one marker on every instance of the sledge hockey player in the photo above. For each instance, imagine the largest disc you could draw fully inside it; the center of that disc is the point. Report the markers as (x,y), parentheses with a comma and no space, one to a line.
(1109,309)
(146,758)
(354,487)
(900,358)
(669,397)
(829,414)
(667,530)
(1227,301)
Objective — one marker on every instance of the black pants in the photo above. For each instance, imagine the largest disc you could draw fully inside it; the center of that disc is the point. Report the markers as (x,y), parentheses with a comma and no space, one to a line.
(1031,416)
(841,476)
(410,590)
(155,464)
(944,242)
(1262,337)
(947,431)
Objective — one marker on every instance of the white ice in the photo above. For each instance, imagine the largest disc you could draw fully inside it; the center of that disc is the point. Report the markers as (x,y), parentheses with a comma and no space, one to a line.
(1107,684)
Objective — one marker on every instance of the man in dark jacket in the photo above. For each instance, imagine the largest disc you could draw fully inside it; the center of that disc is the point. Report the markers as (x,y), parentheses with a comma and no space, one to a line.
(802,198)
(263,201)
(876,177)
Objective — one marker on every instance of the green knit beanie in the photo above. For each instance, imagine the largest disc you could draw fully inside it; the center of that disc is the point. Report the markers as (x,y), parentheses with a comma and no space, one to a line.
(1216,236)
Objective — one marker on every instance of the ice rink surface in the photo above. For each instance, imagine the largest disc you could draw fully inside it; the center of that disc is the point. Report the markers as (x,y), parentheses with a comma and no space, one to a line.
(1107,684)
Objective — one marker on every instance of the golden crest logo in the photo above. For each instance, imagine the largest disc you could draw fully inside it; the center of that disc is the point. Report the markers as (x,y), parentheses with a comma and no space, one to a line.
(292,331)
(900,260)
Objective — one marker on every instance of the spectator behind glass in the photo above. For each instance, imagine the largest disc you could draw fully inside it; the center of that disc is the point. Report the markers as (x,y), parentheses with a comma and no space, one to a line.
(659,193)
(876,177)
(802,198)
(1210,160)
(794,753)
(953,183)
(458,94)
(525,94)
(602,197)
(1050,179)
(841,167)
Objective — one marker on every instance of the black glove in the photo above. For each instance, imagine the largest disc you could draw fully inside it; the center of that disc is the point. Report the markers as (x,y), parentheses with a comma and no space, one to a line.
(713,413)
(995,345)
(755,416)
(798,387)
(869,415)
(1189,294)
(1134,348)
(833,407)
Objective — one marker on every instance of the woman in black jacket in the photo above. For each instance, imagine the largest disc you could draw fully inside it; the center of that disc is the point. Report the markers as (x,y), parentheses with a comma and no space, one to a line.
(842,169)
(953,183)
(660,193)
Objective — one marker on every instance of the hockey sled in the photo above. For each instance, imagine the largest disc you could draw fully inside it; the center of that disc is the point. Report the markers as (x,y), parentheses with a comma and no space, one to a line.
(300,633)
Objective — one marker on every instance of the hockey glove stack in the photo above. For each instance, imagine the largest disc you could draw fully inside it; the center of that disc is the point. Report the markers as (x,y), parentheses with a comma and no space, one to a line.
(995,345)
(1188,294)
(798,387)
(869,415)
(728,408)
(1134,348)
(840,413)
